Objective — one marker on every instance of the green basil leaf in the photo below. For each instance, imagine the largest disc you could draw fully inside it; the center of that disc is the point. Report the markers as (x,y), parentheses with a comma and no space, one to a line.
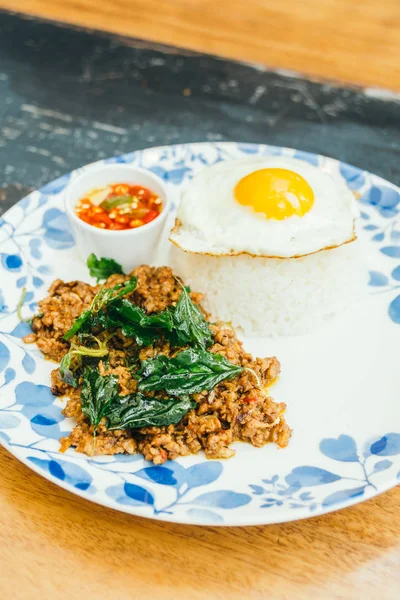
(141,335)
(102,268)
(79,323)
(100,399)
(136,411)
(134,315)
(189,372)
(190,326)
(136,323)
(98,393)
(69,366)
(104,297)
(107,295)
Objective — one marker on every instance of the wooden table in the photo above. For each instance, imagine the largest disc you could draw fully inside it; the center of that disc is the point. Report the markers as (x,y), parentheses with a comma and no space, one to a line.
(54,545)
(357,41)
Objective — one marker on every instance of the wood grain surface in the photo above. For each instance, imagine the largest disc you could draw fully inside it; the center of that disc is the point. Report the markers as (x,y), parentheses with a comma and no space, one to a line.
(356,41)
(55,545)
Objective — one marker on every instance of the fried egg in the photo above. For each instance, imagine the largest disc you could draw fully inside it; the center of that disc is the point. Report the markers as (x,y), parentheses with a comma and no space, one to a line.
(277,207)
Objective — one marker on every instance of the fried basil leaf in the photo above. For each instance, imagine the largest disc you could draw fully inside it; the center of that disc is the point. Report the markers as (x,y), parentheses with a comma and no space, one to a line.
(102,268)
(78,325)
(92,316)
(100,399)
(91,349)
(189,372)
(105,296)
(190,326)
(136,411)
(136,323)
(98,393)
(68,370)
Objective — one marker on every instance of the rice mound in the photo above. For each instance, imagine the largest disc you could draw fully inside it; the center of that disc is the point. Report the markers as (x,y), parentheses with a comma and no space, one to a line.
(275,296)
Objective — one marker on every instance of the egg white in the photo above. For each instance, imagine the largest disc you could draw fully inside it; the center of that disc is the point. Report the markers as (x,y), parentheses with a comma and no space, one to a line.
(211,221)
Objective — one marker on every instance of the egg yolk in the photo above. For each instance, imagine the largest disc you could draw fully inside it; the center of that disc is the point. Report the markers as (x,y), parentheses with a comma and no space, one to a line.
(278,193)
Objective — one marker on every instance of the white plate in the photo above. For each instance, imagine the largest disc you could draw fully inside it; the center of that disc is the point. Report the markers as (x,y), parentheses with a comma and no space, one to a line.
(341,384)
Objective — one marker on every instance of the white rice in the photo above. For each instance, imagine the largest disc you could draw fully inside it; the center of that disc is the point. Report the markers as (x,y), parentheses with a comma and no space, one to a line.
(271,296)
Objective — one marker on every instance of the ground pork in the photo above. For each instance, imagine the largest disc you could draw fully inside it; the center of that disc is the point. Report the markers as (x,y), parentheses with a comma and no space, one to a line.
(236,410)
(57,313)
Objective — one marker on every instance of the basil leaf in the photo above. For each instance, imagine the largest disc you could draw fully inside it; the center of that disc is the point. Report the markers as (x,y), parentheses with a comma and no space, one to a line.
(136,323)
(137,316)
(100,399)
(182,325)
(136,411)
(71,363)
(142,336)
(97,394)
(102,268)
(104,297)
(190,326)
(67,371)
(189,372)
(79,323)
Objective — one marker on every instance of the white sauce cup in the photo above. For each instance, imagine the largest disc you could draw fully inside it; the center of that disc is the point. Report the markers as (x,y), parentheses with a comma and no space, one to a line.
(129,247)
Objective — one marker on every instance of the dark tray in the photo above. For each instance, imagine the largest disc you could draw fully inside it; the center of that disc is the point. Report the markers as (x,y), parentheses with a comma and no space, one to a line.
(71,96)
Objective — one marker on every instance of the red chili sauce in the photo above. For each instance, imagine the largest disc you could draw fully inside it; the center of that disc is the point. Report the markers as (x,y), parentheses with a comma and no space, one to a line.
(122,206)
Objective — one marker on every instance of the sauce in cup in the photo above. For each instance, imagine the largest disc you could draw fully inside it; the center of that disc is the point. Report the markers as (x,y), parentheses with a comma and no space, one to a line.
(118,210)
(119,206)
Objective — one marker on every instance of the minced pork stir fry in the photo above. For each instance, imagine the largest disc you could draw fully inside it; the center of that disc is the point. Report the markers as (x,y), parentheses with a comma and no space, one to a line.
(144,370)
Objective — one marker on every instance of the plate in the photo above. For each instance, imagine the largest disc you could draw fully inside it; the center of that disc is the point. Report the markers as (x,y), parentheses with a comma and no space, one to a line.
(340,384)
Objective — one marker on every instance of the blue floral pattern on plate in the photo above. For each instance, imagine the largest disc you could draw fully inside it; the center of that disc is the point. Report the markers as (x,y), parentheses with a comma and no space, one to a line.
(297,488)
(344,463)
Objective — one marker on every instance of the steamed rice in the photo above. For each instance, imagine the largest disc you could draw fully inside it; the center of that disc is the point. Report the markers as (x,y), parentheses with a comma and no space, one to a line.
(272,296)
